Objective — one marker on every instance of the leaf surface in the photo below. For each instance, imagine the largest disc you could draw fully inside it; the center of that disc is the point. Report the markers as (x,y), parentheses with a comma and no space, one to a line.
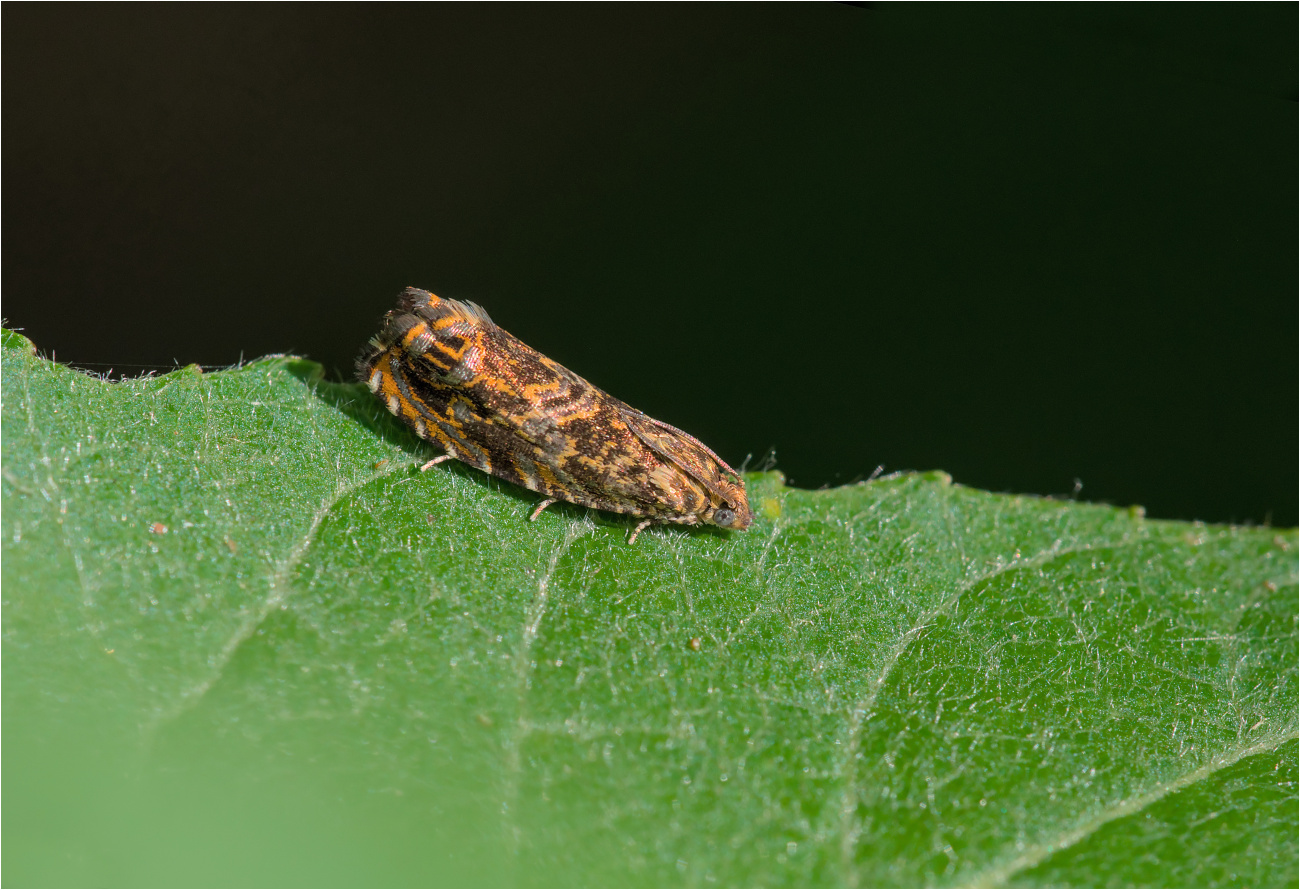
(247,642)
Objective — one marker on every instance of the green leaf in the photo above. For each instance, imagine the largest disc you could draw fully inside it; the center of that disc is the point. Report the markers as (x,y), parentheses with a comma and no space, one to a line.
(246,641)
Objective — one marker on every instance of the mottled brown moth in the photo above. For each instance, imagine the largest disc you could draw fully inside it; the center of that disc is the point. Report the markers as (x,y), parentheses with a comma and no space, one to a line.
(494,403)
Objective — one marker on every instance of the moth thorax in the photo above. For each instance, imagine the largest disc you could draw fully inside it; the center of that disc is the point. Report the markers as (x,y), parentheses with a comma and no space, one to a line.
(419,341)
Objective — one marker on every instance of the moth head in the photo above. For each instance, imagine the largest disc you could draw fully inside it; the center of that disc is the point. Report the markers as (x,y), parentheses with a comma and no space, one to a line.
(735,516)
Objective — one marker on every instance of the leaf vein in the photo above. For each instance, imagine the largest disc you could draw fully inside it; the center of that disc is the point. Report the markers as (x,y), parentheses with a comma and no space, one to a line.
(850,827)
(999,875)
(279,583)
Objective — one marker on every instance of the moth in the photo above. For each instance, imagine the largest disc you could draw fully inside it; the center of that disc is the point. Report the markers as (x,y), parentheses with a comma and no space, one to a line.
(490,401)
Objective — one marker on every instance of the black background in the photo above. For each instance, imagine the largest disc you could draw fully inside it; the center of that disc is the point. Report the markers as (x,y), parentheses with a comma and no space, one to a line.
(1022,244)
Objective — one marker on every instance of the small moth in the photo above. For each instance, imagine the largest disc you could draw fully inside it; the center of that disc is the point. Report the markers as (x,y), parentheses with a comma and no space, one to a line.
(494,403)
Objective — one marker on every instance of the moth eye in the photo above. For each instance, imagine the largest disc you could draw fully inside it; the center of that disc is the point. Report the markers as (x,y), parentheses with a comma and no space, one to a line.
(724,516)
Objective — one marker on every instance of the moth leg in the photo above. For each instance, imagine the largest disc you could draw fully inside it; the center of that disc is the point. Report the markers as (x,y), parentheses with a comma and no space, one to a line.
(638,530)
(540,507)
(435,462)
